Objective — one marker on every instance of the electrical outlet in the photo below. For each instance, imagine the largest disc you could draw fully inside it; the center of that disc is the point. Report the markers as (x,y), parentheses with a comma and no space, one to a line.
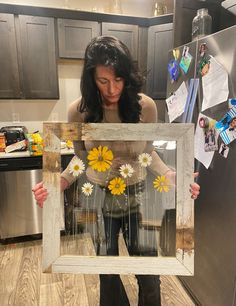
(54,117)
(15,117)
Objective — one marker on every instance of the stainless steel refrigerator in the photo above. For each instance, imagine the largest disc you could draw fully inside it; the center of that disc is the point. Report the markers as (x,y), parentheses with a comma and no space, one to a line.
(214,281)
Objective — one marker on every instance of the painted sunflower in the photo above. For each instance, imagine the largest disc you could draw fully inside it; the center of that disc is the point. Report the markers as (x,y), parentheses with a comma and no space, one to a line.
(161,183)
(100,158)
(117,186)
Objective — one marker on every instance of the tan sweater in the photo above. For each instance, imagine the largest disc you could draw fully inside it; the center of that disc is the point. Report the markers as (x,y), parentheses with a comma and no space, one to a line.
(124,152)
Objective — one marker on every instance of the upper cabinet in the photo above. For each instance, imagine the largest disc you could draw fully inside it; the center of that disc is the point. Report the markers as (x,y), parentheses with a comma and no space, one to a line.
(74,36)
(160,41)
(29,48)
(9,76)
(28,57)
(38,53)
(127,33)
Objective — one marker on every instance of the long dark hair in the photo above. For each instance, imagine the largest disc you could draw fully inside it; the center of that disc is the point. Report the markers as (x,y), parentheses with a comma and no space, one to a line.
(109,51)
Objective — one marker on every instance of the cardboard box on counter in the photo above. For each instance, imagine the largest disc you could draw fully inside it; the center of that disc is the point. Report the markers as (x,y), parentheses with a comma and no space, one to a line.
(17,146)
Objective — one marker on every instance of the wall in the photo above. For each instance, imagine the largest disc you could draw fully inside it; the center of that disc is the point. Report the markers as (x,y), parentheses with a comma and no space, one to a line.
(129,7)
(32,113)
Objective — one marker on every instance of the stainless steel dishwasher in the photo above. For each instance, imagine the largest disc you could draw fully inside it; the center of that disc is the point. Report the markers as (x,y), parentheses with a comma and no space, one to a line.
(19,214)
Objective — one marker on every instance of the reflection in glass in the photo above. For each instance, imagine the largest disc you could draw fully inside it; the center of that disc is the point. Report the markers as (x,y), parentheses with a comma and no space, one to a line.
(120,205)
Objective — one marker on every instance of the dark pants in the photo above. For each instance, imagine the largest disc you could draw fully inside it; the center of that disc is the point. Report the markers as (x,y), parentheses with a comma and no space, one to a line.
(112,292)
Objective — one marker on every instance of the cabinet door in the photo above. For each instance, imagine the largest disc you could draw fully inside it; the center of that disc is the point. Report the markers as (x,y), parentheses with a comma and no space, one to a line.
(74,36)
(160,41)
(9,74)
(37,41)
(127,33)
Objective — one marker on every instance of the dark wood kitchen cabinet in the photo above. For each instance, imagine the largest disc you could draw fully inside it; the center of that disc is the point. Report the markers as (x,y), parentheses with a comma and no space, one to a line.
(38,52)
(29,56)
(160,41)
(9,75)
(127,33)
(74,36)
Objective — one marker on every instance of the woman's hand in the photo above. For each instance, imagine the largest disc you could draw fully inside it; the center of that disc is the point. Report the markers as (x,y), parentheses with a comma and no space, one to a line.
(41,193)
(195,188)
(171,176)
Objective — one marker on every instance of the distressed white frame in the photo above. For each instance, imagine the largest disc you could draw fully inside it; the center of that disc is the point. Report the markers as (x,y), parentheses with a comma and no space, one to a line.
(183,262)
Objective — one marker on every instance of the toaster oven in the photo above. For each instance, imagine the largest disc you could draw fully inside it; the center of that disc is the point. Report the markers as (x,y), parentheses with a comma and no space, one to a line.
(14,134)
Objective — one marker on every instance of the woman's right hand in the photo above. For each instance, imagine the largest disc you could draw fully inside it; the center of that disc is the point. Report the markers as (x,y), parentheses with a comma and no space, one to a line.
(40,194)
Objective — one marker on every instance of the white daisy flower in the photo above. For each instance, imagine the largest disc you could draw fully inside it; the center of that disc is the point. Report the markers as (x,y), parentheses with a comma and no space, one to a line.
(76,166)
(145,159)
(126,170)
(87,189)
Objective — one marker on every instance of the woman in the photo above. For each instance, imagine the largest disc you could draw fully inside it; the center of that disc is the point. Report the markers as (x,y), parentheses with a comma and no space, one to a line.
(110,87)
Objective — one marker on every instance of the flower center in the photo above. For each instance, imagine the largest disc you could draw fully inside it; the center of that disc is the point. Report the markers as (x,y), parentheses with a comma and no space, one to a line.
(76,167)
(117,186)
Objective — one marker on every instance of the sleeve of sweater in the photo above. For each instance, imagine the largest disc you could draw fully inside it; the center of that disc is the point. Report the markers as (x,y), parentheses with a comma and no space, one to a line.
(73,116)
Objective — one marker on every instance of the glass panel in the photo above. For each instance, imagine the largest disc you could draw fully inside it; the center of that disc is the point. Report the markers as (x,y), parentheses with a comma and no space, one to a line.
(120,205)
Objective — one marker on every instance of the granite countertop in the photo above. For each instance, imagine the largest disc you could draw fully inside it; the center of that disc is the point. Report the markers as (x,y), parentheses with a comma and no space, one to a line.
(27,153)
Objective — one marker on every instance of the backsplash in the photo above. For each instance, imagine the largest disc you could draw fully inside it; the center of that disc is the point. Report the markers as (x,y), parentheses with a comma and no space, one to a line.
(32,113)
(141,8)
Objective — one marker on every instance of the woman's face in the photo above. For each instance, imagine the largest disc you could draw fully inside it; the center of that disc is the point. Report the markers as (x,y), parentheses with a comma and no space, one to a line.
(109,85)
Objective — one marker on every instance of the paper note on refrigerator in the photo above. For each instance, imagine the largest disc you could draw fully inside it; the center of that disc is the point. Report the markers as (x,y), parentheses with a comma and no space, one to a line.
(176,102)
(214,85)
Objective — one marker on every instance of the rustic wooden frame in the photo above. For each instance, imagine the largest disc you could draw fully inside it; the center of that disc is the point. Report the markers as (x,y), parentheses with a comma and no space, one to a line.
(182,263)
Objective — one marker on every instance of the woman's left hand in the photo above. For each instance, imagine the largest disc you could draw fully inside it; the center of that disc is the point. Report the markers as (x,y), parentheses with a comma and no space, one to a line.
(194,188)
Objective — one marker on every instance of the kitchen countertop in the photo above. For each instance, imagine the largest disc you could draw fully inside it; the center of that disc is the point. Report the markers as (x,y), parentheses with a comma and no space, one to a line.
(27,153)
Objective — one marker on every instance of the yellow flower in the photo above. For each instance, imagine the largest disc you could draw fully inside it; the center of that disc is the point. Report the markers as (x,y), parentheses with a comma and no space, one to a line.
(161,183)
(100,158)
(69,144)
(117,186)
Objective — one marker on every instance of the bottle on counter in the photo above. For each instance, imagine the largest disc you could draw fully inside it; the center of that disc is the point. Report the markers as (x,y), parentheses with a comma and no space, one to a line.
(201,24)
(115,7)
(159,9)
